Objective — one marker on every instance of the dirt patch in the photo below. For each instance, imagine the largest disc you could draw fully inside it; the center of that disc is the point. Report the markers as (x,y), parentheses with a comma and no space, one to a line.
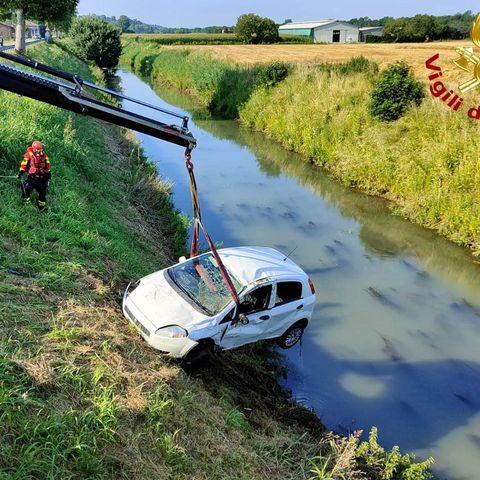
(250,375)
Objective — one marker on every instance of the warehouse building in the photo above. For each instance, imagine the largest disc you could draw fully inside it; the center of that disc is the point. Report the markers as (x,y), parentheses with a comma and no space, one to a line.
(365,31)
(322,31)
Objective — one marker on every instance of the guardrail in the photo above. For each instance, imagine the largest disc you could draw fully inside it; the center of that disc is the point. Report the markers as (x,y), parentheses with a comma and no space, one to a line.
(27,43)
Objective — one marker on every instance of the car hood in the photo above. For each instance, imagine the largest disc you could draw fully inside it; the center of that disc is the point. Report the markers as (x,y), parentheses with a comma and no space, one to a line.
(162,305)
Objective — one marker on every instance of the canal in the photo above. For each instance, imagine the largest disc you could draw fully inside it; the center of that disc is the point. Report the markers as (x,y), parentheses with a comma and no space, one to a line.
(394,340)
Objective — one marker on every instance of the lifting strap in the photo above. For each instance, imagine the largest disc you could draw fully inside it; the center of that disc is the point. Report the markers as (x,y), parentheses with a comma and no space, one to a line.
(197,226)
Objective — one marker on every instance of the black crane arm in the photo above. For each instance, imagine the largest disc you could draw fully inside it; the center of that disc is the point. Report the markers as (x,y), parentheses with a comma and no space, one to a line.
(72,96)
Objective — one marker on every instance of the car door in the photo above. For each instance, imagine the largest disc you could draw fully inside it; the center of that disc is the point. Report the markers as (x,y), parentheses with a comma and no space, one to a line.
(287,308)
(255,306)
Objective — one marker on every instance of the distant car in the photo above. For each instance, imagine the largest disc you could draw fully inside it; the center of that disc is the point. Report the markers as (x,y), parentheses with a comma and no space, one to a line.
(186,310)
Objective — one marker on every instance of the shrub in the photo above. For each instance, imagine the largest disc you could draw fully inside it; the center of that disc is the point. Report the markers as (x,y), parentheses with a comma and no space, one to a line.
(357,65)
(352,66)
(272,74)
(95,40)
(395,91)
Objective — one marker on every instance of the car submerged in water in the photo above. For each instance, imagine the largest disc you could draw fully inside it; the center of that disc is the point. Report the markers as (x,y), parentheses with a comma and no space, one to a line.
(187,311)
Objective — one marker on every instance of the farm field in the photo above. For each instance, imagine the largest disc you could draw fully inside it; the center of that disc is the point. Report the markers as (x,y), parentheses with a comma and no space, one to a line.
(414,53)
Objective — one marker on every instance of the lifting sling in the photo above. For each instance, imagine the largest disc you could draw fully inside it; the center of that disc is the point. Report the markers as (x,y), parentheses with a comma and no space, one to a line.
(197,226)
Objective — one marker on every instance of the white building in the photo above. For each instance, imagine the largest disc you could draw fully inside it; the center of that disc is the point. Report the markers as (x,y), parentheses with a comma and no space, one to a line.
(364,31)
(322,31)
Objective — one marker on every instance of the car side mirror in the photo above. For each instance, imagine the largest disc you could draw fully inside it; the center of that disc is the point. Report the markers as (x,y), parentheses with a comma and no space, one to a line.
(243,319)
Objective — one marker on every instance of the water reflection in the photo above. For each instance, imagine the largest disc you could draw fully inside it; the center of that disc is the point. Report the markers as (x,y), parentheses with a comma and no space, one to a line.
(394,339)
(382,233)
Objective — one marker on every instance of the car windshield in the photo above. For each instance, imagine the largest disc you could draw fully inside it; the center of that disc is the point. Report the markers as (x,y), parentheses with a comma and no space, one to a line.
(201,279)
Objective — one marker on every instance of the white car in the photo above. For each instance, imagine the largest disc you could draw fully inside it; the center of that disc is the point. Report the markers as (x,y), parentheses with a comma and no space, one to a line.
(186,310)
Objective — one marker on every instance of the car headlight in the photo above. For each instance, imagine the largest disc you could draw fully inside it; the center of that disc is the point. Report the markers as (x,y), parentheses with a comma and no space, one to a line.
(173,331)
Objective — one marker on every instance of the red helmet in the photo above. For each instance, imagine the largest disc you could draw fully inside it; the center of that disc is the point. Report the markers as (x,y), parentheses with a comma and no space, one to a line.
(37,146)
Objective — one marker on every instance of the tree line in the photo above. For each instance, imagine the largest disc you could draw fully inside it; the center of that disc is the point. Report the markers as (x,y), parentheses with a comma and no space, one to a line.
(420,28)
(132,25)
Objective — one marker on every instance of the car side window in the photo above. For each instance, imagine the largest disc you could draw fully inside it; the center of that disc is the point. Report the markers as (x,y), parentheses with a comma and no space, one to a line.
(228,317)
(288,292)
(256,300)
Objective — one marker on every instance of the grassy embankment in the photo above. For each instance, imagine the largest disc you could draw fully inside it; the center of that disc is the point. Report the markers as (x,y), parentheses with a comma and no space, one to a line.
(81,395)
(426,163)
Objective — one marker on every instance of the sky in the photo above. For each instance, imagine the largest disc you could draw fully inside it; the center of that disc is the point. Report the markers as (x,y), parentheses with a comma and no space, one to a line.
(203,13)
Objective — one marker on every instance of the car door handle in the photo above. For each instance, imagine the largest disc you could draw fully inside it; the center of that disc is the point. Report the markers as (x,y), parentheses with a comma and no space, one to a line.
(264,317)
(300,307)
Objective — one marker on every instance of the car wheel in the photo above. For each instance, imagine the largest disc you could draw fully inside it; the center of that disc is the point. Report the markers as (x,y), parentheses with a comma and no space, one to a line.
(292,336)
(196,356)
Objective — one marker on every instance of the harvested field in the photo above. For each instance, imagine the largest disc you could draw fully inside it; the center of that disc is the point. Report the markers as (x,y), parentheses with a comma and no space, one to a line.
(414,53)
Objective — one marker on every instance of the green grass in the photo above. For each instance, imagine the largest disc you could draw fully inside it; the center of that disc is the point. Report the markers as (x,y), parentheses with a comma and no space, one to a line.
(221,87)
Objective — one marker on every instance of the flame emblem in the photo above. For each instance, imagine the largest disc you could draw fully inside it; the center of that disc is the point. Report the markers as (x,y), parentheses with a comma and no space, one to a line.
(468,61)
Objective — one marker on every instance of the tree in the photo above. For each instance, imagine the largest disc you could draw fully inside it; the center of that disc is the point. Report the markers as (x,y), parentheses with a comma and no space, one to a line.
(40,10)
(123,23)
(251,28)
(418,29)
(95,40)
(395,29)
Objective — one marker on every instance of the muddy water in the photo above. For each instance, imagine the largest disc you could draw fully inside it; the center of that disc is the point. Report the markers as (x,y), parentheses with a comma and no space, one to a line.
(395,339)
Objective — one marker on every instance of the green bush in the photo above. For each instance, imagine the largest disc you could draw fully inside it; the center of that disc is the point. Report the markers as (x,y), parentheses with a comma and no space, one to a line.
(95,40)
(272,74)
(357,65)
(379,39)
(395,91)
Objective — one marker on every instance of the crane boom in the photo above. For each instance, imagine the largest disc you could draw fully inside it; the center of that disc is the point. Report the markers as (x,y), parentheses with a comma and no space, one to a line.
(70,94)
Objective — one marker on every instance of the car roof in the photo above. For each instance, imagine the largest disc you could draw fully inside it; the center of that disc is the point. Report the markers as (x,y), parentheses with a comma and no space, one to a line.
(249,264)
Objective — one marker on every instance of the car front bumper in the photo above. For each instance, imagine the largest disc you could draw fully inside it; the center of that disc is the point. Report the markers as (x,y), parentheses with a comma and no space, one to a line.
(173,347)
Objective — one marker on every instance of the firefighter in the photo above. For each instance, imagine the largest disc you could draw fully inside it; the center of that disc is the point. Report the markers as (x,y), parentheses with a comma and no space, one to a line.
(37,166)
